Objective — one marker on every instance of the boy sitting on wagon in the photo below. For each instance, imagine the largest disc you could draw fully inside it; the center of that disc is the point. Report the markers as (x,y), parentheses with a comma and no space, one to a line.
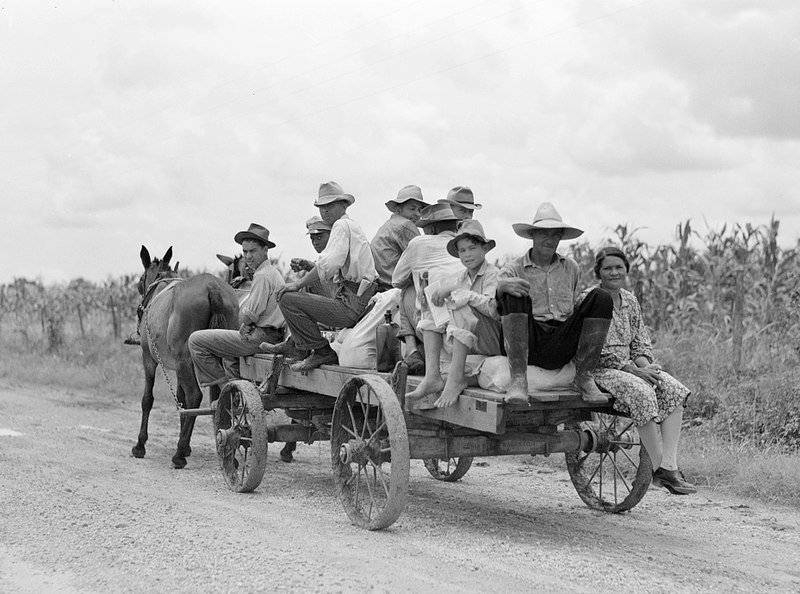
(474,324)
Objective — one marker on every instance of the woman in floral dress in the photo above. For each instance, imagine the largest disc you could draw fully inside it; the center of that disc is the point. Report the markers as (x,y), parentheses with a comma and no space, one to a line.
(651,397)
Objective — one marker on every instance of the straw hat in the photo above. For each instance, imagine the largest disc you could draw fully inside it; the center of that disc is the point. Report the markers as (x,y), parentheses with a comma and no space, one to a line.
(435,213)
(461,196)
(332,192)
(254,231)
(404,195)
(469,228)
(316,225)
(546,217)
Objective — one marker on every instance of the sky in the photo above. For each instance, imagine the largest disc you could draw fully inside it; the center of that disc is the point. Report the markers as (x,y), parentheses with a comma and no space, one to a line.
(173,123)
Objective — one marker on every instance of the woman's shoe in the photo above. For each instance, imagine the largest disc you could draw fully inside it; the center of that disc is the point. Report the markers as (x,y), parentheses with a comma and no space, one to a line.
(674,481)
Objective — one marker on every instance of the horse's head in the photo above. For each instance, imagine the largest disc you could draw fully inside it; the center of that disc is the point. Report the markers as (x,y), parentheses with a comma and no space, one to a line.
(237,271)
(154,269)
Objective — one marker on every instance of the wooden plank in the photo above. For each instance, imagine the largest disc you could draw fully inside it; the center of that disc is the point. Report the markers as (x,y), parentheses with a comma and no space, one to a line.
(468,411)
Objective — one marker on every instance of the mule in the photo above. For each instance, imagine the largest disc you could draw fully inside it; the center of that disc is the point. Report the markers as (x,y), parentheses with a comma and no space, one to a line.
(172,310)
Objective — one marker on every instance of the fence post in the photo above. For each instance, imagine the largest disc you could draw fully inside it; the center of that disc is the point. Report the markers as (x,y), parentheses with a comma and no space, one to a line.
(114,320)
(738,321)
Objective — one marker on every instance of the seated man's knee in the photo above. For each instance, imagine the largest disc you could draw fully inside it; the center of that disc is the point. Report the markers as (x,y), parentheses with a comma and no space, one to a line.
(600,303)
(508,304)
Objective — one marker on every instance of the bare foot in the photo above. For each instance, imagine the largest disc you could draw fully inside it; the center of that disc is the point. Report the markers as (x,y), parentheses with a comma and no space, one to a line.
(452,390)
(428,385)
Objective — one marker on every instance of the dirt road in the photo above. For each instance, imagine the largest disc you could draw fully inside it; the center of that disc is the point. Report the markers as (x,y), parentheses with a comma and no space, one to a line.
(79,514)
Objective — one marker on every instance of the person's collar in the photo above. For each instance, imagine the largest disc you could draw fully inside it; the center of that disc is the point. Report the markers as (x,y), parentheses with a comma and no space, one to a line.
(527,261)
(264,265)
(481,271)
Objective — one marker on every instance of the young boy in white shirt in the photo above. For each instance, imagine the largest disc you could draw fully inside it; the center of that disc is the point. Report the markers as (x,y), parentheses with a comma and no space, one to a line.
(474,324)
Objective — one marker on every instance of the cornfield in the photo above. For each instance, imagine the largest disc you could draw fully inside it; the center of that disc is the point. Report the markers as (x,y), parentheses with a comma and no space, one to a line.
(722,307)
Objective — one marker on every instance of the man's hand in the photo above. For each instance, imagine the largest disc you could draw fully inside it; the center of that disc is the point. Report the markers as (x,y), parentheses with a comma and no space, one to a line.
(514,286)
(246,330)
(287,288)
(300,264)
(438,296)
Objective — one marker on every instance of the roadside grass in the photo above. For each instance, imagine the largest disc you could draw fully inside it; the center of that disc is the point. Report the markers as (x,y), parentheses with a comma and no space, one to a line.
(767,474)
(101,365)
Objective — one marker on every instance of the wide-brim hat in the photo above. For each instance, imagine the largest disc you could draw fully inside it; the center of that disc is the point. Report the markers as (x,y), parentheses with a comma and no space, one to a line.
(404,195)
(332,192)
(435,213)
(546,217)
(316,225)
(461,196)
(469,228)
(254,231)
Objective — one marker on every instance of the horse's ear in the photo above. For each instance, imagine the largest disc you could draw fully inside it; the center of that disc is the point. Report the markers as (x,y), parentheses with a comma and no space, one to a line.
(145,256)
(167,256)
(177,264)
(227,260)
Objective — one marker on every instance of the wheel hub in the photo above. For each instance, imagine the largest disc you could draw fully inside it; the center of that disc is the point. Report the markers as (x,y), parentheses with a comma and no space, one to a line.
(227,439)
(357,451)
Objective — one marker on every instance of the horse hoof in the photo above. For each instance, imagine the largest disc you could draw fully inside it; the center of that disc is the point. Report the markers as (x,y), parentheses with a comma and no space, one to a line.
(286,457)
(137,452)
(179,463)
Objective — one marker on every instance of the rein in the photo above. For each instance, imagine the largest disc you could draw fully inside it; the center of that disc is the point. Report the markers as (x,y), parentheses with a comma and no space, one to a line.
(161,277)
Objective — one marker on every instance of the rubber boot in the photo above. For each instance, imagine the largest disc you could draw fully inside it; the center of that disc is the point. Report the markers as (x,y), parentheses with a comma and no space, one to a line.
(590,345)
(515,339)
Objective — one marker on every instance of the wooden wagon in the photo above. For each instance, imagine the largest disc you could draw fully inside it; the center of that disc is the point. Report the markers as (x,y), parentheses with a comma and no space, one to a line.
(375,431)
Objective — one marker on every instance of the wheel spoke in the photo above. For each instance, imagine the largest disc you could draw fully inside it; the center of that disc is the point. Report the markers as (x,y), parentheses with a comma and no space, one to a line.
(352,419)
(351,432)
(634,464)
(618,473)
(599,465)
(383,480)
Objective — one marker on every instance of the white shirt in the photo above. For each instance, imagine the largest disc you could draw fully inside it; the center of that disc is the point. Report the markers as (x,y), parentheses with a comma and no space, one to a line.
(426,254)
(347,255)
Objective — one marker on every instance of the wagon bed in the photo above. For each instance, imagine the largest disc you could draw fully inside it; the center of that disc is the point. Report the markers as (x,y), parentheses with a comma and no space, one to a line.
(375,430)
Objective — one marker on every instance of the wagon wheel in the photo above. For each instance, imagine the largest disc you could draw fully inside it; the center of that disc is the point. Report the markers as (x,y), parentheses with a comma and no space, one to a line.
(241,434)
(616,474)
(369,452)
(448,470)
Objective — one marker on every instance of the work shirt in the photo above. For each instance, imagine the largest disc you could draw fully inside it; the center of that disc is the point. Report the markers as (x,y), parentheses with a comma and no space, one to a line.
(553,288)
(425,261)
(482,289)
(389,243)
(347,256)
(260,307)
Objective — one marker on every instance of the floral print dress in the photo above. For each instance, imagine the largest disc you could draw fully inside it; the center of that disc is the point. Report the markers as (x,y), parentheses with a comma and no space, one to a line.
(627,340)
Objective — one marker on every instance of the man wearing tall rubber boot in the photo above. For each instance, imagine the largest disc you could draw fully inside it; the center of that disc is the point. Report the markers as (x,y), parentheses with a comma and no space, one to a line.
(535,296)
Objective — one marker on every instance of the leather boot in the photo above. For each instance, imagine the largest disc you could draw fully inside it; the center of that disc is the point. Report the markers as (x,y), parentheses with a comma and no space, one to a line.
(590,345)
(515,339)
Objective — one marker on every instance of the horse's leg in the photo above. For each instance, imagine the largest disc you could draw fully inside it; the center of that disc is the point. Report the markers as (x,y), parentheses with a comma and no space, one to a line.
(192,396)
(287,453)
(149,365)
(180,394)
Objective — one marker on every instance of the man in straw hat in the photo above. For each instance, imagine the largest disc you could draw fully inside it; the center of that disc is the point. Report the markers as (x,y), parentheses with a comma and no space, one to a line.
(536,293)
(215,353)
(424,261)
(462,201)
(474,324)
(393,236)
(346,261)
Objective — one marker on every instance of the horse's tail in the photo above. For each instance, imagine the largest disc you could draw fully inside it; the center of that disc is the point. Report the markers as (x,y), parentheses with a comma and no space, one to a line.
(218,317)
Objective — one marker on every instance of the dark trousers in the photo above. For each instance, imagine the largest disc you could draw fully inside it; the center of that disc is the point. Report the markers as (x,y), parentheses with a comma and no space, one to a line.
(551,344)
